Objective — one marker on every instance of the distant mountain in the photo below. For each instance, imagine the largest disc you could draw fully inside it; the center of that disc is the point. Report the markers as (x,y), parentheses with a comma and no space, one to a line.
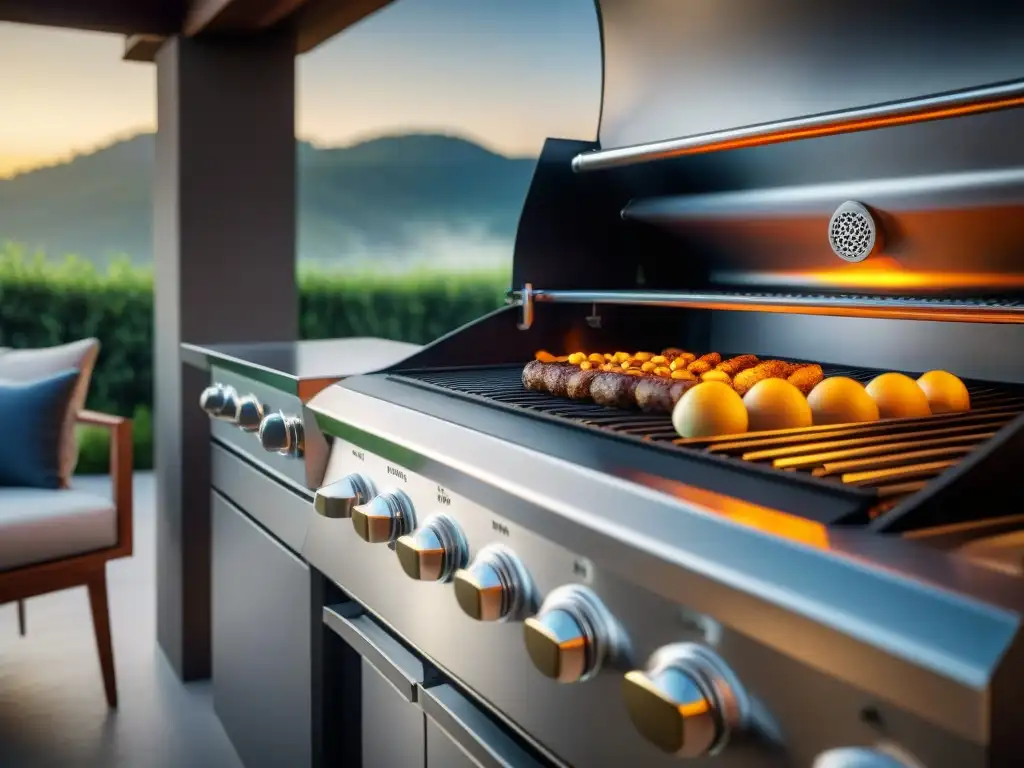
(400,198)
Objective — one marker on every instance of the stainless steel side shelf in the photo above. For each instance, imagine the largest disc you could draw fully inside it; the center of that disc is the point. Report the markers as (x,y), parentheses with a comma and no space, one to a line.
(936,107)
(961,310)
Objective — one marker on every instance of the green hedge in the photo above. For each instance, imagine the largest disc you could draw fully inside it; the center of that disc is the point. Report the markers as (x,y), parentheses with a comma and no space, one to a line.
(45,302)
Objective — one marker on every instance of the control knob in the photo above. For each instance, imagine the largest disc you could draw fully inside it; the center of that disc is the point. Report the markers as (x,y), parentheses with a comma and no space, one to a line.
(433,551)
(571,635)
(219,401)
(687,702)
(249,413)
(282,434)
(860,757)
(384,518)
(495,587)
(337,499)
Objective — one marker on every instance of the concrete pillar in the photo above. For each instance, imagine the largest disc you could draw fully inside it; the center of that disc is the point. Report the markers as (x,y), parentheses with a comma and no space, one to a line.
(224,229)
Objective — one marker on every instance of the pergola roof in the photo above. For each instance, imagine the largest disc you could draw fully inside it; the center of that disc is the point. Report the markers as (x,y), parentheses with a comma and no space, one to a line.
(145,23)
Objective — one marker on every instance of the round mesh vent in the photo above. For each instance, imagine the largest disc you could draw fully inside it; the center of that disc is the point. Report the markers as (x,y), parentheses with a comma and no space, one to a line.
(852,232)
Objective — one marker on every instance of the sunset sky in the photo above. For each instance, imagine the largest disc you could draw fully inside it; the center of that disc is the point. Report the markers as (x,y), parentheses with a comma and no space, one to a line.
(505,73)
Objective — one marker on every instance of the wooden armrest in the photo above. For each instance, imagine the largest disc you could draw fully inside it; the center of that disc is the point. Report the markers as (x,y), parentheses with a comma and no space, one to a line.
(121,468)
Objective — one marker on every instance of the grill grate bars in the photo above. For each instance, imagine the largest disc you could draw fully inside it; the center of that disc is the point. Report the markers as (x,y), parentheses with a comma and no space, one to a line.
(894,458)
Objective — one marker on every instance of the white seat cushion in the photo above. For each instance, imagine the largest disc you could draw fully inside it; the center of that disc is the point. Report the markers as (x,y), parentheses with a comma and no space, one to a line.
(37,525)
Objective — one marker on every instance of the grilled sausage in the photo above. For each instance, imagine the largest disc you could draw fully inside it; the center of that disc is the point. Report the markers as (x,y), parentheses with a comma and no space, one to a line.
(614,390)
(533,376)
(734,365)
(806,377)
(704,363)
(769,369)
(556,378)
(578,385)
(657,395)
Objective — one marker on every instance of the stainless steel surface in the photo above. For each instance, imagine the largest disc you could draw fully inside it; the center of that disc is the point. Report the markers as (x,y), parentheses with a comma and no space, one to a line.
(495,586)
(283,510)
(965,310)
(706,66)
(687,703)
(283,434)
(337,499)
(399,667)
(261,642)
(805,650)
(304,473)
(249,413)
(939,106)
(434,551)
(768,236)
(384,518)
(458,734)
(573,636)
(393,726)
(300,368)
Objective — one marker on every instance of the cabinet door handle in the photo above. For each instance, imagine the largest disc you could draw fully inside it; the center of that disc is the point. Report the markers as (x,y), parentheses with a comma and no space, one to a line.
(486,743)
(367,638)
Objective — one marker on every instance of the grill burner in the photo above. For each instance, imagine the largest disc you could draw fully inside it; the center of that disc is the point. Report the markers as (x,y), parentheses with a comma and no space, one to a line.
(892,457)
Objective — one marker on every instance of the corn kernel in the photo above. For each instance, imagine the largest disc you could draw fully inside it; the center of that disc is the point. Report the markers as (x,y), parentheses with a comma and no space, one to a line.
(662,371)
(596,358)
(682,374)
(659,359)
(648,366)
(577,357)
(635,372)
(586,365)
(643,357)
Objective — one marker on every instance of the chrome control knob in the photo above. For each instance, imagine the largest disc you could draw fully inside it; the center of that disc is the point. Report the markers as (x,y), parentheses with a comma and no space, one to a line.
(384,518)
(249,413)
(859,757)
(337,499)
(433,551)
(571,635)
(495,587)
(282,434)
(219,401)
(686,703)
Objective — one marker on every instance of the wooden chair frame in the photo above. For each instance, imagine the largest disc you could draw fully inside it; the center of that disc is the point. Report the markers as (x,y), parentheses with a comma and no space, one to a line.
(89,569)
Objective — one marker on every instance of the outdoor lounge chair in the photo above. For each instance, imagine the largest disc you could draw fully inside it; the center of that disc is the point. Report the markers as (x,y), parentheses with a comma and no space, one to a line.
(54,538)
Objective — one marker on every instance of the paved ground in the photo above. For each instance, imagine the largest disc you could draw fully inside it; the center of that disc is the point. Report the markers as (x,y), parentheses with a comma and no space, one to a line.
(52,709)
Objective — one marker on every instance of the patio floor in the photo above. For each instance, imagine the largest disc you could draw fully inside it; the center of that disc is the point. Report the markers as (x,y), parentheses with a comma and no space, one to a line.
(52,709)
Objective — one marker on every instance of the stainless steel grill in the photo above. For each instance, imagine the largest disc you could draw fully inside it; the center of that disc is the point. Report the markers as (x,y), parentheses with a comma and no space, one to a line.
(893,457)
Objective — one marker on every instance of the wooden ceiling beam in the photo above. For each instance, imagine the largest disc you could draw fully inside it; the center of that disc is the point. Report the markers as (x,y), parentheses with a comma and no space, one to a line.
(150,17)
(236,16)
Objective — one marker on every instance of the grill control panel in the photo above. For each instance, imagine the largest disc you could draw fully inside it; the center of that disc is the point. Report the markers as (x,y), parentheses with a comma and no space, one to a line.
(684,701)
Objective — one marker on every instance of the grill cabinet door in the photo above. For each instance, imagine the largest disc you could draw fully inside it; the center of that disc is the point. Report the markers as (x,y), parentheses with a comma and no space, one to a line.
(460,736)
(392,726)
(261,642)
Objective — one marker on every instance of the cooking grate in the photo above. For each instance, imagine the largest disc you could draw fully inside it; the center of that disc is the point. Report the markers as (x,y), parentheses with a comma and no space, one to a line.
(894,457)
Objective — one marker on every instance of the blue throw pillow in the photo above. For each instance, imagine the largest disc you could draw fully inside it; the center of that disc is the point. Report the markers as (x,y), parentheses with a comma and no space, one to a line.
(31,422)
